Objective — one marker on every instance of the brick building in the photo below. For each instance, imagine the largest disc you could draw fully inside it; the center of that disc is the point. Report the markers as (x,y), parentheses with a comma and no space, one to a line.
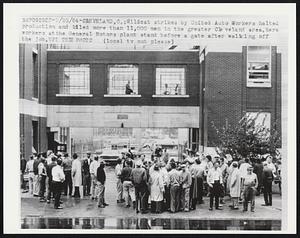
(145,89)
(232,88)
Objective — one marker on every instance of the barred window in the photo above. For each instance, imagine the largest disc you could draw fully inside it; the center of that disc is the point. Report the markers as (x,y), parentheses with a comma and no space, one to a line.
(259,65)
(74,79)
(170,81)
(122,79)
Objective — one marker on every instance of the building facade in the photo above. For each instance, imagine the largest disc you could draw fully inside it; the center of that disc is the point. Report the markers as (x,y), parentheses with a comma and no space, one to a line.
(150,89)
(242,82)
(32,98)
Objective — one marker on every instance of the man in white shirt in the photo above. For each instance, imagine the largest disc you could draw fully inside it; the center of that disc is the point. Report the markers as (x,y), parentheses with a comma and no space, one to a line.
(49,156)
(58,177)
(215,181)
(271,165)
(244,167)
(29,170)
(93,171)
(118,170)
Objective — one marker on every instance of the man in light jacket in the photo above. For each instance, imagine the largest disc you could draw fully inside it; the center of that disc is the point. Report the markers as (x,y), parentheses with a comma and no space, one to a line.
(234,185)
(93,171)
(76,175)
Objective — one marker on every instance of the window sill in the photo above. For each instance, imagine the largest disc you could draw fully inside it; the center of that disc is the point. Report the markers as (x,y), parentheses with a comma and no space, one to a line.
(170,96)
(258,85)
(74,95)
(122,96)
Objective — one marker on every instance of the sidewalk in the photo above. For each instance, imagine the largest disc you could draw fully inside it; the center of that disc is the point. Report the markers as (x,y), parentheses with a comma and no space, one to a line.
(88,208)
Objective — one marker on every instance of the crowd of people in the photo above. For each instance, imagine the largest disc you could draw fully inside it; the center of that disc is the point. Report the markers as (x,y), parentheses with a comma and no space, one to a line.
(163,184)
(154,185)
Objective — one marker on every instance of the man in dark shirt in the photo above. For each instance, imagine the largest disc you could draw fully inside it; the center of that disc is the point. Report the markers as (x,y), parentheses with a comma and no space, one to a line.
(67,166)
(128,188)
(128,90)
(267,179)
(101,178)
(258,170)
(139,179)
(23,167)
(86,175)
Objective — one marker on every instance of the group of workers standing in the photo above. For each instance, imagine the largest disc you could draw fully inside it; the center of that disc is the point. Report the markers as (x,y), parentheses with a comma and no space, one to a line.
(50,175)
(161,184)
(153,185)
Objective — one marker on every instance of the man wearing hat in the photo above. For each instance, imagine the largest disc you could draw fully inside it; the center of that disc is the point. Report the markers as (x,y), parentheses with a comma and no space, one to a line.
(250,183)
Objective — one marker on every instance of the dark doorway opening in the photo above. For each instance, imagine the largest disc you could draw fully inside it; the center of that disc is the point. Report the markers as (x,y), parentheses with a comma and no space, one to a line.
(35,135)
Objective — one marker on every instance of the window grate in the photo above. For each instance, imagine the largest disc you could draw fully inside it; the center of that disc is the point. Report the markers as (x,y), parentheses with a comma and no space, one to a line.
(170,81)
(74,79)
(122,76)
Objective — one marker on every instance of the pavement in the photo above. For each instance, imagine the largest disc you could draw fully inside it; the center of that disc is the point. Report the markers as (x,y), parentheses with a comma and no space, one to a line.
(85,207)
